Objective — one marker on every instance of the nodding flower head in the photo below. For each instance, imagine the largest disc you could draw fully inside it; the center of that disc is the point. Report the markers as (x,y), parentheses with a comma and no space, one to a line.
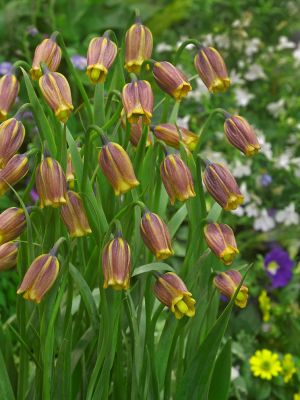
(47,52)
(12,133)
(137,100)
(220,239)
(12,224)
(74,216)
(227,284)
(9,89)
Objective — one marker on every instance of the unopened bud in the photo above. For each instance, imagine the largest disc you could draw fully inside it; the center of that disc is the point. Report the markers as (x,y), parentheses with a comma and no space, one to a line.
(51,183)
(177,178)
(116,264)
(220,239)
(12,224)
(171,80)
(47,52)
(16,168)
(9,89)
(8,255)
(137,98)
(156,236)
(12,133)
(222,186)
(74,216)
(172,135)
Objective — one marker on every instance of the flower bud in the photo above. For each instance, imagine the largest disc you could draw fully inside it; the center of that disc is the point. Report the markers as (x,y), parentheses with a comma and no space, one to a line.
(137,98)
(13,172)
(12,224)
(220,239)
(171,80)
(47,52)
(51,183)
(138,47)
(228,282)
(177,178)
(156,236)
(168,133)
(116,264)
(70,173)
(8,255)
(12,133)
(39,278)
(212,69)
(101,55)
(222,186)
(116,166)
(241,135)
(9,89)
(171,291)
(74,216)
(57,93)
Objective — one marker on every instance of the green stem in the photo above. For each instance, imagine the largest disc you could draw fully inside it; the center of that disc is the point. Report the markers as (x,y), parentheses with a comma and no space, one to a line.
(183,46)
(99,107)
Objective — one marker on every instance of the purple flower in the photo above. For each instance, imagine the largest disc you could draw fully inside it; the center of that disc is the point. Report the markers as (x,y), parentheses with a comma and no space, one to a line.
(32,31)
(34,195)
(278,266)
(5,67)
(265,180)
(79,62)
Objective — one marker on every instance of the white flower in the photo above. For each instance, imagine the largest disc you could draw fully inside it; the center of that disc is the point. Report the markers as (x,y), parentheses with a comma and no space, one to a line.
(222,41)
(162,47)
(252,46)
(266,147)
(284,160)
(241,169)
(199,91)
(296,55)
(263,222)
(235,373)
(239,212)
(255,72)
(285,43)
(245,193)
(235,78)
(288,216)
(184,122)
(214,157)
(276,107)
(183,39)
(251,210)
(243,97)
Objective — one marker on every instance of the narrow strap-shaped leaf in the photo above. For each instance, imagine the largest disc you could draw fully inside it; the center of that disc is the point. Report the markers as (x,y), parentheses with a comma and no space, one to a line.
(6,391)
(220,381)
(86,295)
(176,220)
(162,267)
(40,117)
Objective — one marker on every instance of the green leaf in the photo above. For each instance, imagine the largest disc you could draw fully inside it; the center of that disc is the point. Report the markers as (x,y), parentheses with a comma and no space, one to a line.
(40,117)
(196,378)
(6,391)
(220,381)
(214,213)
(152,267)
(87,296)
(177,219)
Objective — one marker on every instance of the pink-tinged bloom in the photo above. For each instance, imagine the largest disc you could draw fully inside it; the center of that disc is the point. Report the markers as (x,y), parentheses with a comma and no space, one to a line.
(8,255)
(47,52)
(241,135)
(74,216)
(16,168)
(117,167)
(12,224)
(227,284)
(220,239)
(56,90)
(100,57)
(156,236)
(177,178)
(222,186)
(138,47)
(12,133)
(51,183)
(171,291)
(169,134)
(39,278)
(212,70)
(137,98)
(171,80)
(116,264)
(9,89)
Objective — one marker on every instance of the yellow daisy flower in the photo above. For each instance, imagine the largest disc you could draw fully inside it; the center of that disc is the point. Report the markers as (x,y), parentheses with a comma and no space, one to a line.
(265,305)
(265,364)
(288,368)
